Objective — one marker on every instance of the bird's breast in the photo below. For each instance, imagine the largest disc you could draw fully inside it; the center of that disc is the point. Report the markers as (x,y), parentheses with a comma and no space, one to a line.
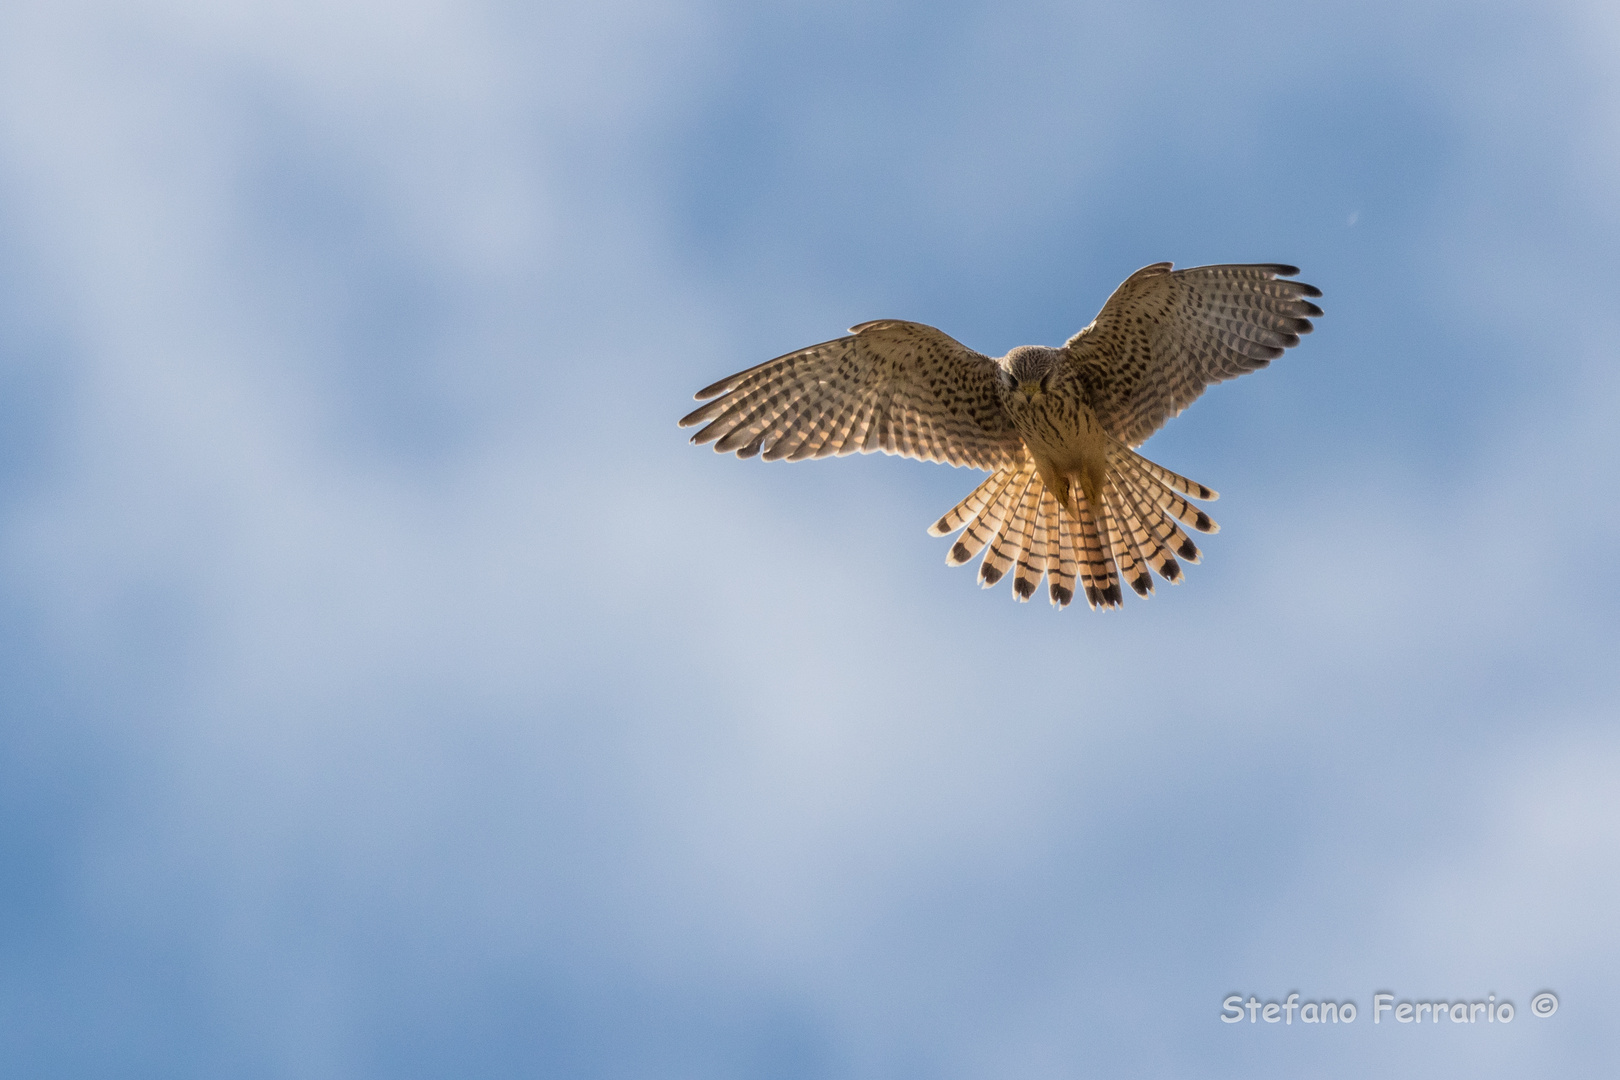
(1060,430)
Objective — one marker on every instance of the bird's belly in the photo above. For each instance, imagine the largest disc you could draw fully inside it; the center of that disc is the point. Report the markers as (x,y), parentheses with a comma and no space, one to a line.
(1070,449)
(1065,440)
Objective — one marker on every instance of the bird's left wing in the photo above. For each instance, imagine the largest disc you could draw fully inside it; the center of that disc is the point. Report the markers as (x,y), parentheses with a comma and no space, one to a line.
(1166,335)
(899,387)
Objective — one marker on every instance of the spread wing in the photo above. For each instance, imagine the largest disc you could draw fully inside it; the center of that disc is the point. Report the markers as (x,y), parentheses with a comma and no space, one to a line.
(900,387)
(1166,335)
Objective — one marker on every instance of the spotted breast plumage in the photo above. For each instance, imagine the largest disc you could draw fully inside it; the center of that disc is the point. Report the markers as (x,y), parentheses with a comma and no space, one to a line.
(1068,497)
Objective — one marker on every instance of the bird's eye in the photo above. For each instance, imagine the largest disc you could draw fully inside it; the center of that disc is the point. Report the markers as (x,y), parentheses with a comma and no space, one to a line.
(1006,378)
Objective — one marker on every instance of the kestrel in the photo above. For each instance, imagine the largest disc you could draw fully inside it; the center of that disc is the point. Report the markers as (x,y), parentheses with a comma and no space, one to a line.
(1056,429)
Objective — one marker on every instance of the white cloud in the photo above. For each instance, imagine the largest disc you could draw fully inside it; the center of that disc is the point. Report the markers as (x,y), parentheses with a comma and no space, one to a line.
(567,691)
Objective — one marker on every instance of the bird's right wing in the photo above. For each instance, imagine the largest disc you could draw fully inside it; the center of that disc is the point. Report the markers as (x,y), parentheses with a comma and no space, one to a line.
(899,387)
(1166,335)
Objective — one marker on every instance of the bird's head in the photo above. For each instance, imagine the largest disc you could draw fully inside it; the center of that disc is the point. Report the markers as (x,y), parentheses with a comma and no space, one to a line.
(1028,369)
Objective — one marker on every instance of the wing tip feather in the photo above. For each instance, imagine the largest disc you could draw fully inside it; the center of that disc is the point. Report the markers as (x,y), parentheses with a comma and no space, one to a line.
(715,389)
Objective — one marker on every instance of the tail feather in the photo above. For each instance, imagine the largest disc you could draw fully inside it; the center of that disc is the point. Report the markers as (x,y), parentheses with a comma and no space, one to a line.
(1059,564)
(1167,499)
(1032,560)
(984,526)
(1014,536)
(1132,533)
(1041,557)
(1164,527)
(1151,544)
(1122,544)
(990,528)
(1097,573)
(1060,578)
(972,506)
(1190,488)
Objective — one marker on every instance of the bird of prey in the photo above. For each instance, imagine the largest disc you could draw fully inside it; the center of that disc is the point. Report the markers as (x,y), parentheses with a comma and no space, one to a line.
(1067,496)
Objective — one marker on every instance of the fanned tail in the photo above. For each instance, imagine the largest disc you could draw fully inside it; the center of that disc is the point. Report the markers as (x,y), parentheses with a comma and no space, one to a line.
(1136,528)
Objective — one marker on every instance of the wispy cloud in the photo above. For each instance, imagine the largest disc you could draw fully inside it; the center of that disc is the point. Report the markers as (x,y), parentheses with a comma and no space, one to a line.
(394,687)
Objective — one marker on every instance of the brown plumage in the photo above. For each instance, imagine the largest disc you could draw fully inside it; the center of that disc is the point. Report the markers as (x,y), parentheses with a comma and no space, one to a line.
(1068,498)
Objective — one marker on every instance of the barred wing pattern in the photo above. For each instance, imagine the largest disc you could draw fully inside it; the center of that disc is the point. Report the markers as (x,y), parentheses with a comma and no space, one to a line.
(1164,336)
(900,387)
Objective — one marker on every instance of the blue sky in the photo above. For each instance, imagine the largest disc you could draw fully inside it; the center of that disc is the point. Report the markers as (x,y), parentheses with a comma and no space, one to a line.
(390,691)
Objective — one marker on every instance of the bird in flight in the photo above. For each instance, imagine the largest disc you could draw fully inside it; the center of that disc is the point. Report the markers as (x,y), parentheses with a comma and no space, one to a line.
(1067,497)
